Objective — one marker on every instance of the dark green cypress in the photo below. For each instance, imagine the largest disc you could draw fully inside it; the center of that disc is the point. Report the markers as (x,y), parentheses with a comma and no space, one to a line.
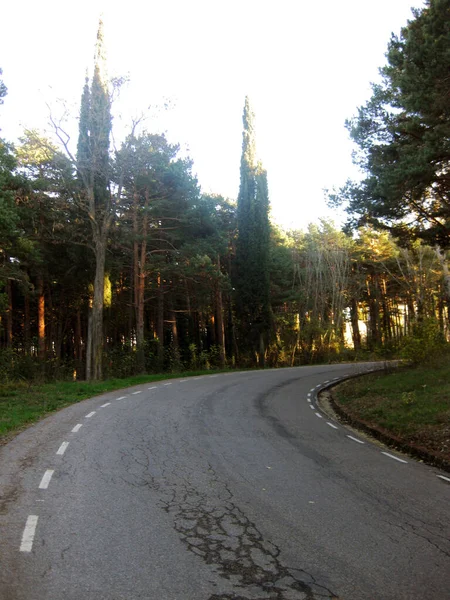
(252,282)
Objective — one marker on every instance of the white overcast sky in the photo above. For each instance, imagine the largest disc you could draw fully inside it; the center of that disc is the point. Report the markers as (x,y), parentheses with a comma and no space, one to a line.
(306,66)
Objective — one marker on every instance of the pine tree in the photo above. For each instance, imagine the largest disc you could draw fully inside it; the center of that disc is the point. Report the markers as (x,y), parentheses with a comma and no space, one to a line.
(252,249)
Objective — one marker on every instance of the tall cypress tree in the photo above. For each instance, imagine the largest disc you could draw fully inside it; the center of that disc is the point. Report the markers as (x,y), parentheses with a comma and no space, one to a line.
(252,282)
(94,175)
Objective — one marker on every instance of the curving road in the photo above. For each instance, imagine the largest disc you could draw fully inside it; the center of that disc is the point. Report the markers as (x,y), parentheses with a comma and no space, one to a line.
(232,486)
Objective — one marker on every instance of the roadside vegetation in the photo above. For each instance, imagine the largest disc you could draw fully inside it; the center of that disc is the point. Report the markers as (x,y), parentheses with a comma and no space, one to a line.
(410,405)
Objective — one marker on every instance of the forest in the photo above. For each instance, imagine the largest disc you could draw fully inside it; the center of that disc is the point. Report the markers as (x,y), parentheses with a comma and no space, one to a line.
(113,262)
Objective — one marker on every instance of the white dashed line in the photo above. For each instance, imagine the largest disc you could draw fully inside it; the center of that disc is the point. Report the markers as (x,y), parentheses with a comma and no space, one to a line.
(318,386)
(312,389)
(77,428)
(121,398)
(46,479)
(139,392)
(170,383)
(91,414)
(183,380)
(153,387)
(327,381)
(211,376)
(331,425)
(355,439)
(28,533)
(318,415)
(104,405)
(395,457)
(309,399)
(311,406)
(62,448)
(308,395)
(444,478)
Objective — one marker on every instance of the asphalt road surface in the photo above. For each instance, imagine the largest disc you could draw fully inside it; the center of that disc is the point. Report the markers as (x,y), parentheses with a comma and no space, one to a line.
(231,486)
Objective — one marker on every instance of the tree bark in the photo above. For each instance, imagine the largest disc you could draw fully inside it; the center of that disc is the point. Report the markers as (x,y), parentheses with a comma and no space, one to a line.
(220,331)
(9,315)
(160,323)
(41,318)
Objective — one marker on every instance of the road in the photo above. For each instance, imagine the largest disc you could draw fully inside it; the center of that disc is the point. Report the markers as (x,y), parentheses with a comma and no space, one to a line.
(231,486)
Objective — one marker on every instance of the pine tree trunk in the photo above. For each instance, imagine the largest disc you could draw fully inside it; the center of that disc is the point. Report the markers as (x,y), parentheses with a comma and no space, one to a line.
(97,310)
(41,318)
(89,346)
(26,324)
(160,323)
(220,331)
(9,315)
(356,335)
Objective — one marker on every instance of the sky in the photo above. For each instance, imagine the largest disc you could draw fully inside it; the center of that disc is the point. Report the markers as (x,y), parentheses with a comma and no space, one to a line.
(306,67)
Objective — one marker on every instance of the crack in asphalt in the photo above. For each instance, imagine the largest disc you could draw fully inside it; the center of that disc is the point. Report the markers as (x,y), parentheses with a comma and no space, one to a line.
(213,527)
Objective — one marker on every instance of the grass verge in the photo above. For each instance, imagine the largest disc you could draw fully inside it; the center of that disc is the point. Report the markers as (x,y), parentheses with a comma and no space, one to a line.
(22,404)
(410,405)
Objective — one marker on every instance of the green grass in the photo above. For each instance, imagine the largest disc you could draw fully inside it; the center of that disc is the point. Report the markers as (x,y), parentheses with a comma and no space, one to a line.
(411,403)
(22,404)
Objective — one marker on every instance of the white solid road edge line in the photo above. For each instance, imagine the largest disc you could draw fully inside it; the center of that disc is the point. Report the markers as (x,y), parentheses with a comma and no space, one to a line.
(91,414)
(28,533)
(77,428)
(395,457)
(331,425)
(355,439)
(104,405)
(445,478)
(46,479)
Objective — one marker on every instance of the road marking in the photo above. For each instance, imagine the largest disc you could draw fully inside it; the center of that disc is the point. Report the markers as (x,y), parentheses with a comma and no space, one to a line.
(395,457)
(62,448)
(46,479)
(309,399)
(311,406)
(77,428)
(318,386)
(91,414)
(308,395)
(318,415)
(121,398)
(170,383)
(312,389)
(134,393)
(331,425)
(183,380)
(28,533)
(153,387)
(327,381)
(104,405)
(445,478)
(211,376)
(355,439)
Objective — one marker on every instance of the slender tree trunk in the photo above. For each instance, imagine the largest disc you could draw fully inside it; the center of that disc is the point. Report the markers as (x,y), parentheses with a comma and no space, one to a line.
(9,315)
(89,346)
(354,318)
(140,256)
(160,323)
(97,309)
(220,335)
(41,318)
(26,324)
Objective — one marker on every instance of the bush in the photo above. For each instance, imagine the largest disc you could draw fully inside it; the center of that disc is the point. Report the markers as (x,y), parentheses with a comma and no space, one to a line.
(424,344)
